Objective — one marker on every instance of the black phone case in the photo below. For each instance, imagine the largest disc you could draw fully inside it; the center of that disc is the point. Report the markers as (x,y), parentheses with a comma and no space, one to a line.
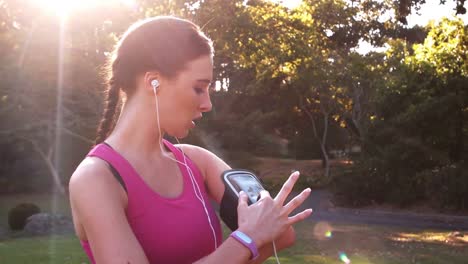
(230,201)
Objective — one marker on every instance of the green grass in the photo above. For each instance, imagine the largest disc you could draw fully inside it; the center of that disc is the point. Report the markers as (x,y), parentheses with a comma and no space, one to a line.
(362,244)
(374,244)
(42,250)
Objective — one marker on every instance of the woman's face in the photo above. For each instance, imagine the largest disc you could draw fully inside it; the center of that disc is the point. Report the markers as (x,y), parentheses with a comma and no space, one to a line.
(183,99)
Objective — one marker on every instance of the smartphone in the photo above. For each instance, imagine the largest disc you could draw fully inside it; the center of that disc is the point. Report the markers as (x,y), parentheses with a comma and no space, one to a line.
(242,180)
(235,181)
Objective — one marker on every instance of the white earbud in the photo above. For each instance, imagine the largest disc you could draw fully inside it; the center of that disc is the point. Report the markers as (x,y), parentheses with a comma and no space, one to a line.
(155,84)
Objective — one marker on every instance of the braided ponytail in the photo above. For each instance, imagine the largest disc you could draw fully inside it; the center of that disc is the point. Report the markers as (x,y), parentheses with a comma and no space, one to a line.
(110,111)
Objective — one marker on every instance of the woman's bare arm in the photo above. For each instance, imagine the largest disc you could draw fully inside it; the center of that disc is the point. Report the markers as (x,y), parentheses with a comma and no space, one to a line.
(212,167)
(98,206)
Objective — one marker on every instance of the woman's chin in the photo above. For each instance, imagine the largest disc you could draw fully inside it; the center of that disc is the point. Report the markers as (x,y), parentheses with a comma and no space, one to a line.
(180,134)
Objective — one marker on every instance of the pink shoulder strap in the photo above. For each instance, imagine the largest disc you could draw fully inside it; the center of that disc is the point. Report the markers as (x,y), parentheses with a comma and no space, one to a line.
(176,151)
(109,155)
(179,155)
(119,163)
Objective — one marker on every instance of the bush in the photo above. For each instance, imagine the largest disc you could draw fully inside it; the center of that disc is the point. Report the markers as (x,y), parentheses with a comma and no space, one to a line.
(274,185)
(359,186)
(388,176)
(447,187)
(389,179)
(18,215)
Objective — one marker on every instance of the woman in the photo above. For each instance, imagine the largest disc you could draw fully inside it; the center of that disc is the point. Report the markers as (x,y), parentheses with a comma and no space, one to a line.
(136,198)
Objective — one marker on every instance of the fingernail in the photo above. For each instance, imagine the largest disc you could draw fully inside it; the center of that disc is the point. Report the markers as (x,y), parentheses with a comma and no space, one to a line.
(295,174)
(309,210)
(308,190)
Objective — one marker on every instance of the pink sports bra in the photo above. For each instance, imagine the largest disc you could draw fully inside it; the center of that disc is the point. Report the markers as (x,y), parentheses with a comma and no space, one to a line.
(170,230)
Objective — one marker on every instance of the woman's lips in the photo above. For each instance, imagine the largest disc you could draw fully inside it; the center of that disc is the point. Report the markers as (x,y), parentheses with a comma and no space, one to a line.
(195,119)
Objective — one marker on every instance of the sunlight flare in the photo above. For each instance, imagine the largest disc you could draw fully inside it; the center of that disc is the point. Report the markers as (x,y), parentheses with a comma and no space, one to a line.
(63,8)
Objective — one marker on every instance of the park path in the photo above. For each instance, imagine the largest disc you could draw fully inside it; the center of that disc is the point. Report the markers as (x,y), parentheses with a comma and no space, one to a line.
(324,210)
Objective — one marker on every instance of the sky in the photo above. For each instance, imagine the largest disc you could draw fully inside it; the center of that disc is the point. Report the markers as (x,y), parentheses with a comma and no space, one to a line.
(431,10)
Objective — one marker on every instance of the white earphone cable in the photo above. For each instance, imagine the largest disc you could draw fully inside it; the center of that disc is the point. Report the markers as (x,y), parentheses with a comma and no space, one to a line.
(195,186)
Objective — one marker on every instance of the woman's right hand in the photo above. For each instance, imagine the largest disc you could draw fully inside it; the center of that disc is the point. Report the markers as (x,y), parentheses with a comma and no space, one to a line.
(268,218)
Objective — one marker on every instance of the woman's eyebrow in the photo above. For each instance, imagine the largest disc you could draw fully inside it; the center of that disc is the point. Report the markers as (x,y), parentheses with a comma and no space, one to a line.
(207,81)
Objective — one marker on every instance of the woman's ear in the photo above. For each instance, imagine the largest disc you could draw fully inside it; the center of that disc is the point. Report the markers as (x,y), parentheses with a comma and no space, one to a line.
(152,82)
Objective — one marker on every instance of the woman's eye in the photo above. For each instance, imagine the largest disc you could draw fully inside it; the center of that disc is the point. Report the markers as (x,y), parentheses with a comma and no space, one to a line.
(199,90)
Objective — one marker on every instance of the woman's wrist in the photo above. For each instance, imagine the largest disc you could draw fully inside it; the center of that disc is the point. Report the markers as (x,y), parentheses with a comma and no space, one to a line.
(247,241)
(255,235)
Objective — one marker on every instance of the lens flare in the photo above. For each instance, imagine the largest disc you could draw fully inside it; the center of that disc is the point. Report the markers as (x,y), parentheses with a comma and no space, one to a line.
(322,231)
(344,258)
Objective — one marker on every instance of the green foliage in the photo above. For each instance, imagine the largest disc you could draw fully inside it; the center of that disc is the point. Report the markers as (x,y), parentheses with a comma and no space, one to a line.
(447,186)
(235,125)
(414,145)
(291,80)
(18,215)
(388,175)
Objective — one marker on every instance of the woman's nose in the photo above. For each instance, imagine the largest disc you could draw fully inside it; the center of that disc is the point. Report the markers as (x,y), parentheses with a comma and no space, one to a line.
(206,104)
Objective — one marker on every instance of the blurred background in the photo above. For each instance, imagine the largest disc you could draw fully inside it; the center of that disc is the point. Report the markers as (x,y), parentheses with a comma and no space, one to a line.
(368,99)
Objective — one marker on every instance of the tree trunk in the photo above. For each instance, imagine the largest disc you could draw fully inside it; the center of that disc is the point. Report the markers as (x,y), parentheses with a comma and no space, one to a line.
(323,145)
(47,160)
(456,150)
(322,141)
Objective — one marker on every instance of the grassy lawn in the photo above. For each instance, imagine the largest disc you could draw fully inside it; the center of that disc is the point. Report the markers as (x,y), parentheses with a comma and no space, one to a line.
(374,244)
(317,242)
(54,249)
(361,244)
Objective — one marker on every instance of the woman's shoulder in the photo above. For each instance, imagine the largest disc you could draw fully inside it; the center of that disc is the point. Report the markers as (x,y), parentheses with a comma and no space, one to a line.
(88,169)
(93,177)
(211,167)
(201,156)
(193,150)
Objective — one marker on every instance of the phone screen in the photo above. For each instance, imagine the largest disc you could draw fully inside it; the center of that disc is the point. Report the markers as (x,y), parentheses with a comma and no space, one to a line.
(247,183)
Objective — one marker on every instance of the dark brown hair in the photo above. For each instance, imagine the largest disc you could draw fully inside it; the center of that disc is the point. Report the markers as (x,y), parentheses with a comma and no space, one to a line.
(163,44)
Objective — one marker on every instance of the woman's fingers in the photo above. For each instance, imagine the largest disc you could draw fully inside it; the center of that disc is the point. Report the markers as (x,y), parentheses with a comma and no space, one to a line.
(299,217)
(264,194)
(296,201)
(287,188)
(242,200)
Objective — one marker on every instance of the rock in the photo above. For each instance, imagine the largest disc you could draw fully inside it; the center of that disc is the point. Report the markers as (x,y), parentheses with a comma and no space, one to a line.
(48,224)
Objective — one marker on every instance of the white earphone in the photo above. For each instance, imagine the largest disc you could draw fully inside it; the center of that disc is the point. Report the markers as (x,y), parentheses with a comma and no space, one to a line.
(155,84)
(196,188)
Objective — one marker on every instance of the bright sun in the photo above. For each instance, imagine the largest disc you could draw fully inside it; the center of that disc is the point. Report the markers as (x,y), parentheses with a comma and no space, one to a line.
(62,8)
